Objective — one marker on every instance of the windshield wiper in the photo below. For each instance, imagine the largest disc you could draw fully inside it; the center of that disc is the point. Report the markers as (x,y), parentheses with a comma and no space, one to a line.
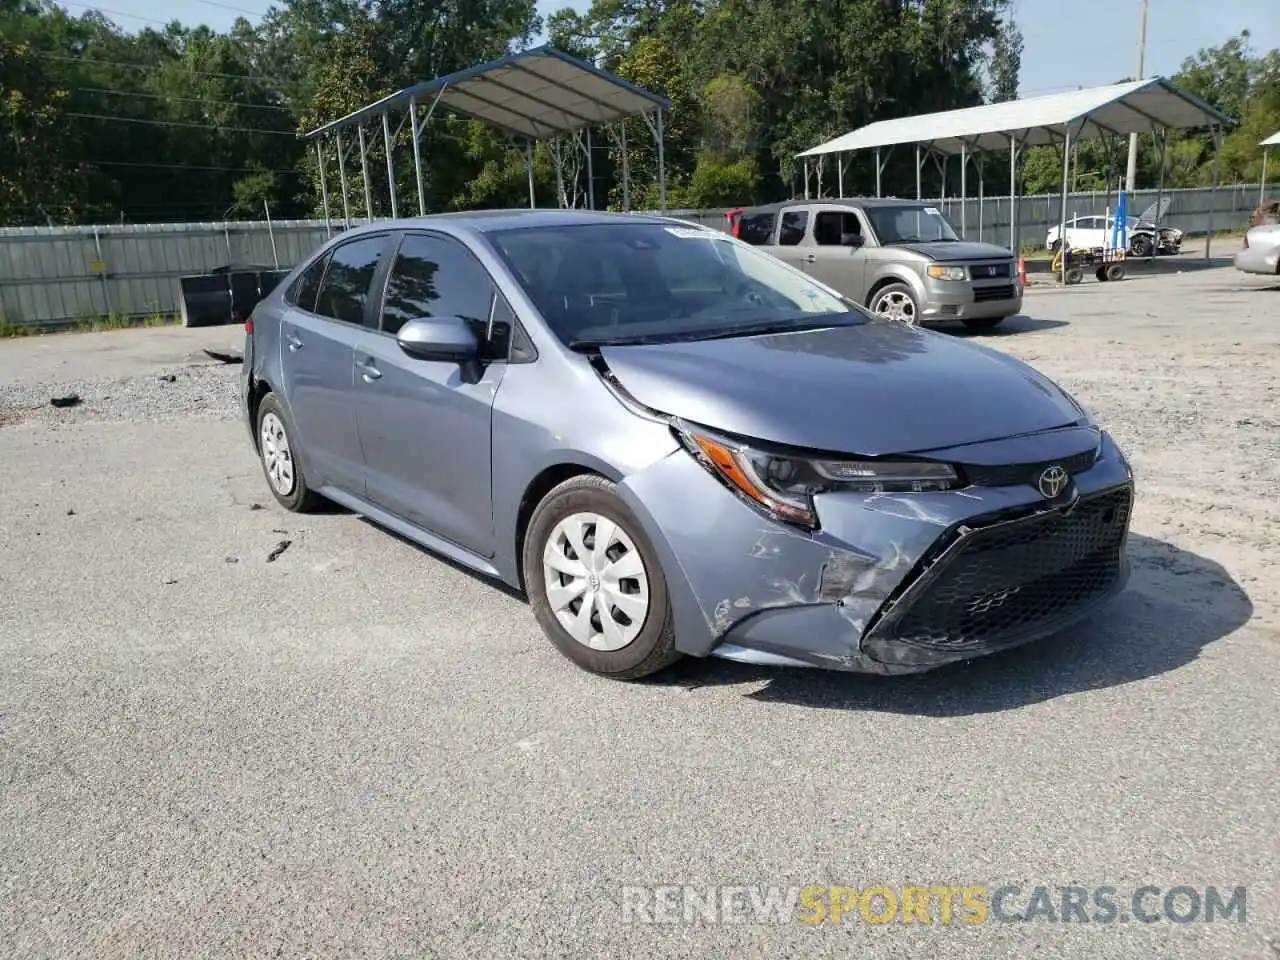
(804,322)
(590,343)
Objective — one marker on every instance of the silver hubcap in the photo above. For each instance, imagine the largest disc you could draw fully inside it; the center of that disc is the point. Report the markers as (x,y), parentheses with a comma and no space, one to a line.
(276,455)
(896,305)
(595,581)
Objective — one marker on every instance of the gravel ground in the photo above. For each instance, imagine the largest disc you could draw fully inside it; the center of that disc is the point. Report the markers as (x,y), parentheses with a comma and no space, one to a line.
(356,750)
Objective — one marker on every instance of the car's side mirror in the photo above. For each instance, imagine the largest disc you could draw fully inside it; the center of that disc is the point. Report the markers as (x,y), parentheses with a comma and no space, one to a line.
(450,339)
(853,240)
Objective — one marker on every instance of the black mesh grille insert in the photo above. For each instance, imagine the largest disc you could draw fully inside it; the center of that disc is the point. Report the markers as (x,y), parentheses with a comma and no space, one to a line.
(988,271)
(984,294)
(1009,579)
(1012,475)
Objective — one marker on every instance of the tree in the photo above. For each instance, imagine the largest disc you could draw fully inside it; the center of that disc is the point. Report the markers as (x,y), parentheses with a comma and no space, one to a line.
(1005,63)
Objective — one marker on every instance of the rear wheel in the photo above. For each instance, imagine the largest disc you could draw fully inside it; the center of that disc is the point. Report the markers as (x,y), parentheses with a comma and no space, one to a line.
(896,302)
(595,584)
(1074,275)
(277,447)
(1141,245)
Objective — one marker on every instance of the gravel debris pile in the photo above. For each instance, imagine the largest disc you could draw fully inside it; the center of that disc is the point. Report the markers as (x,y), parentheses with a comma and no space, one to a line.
(206,391)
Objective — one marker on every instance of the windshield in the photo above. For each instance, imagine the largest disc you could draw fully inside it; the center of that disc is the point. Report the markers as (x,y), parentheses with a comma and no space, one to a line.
(910,224)
(610,283)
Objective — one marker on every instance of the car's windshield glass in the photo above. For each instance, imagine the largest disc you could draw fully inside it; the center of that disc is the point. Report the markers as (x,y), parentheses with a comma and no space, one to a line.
(645,282)
(910,224)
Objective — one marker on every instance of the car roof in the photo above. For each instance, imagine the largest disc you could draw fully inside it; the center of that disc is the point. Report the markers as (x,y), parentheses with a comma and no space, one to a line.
(486,221)
(869,203)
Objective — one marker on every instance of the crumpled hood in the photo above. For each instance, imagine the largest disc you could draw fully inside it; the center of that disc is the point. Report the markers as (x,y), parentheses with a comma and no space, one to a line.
(873,388)
(952,252)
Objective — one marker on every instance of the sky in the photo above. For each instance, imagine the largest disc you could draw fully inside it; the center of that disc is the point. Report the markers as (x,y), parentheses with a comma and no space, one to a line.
(1081,43)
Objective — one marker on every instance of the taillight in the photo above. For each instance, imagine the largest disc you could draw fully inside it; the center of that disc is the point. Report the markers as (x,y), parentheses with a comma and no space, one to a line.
(248,325)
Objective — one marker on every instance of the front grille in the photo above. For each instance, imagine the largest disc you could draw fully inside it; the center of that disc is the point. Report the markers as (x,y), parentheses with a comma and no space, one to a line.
(1013,475)
(1002,292)
(988,271)
(1006,580)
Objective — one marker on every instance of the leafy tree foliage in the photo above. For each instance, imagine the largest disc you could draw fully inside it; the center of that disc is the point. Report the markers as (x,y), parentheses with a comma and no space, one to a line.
(181,123)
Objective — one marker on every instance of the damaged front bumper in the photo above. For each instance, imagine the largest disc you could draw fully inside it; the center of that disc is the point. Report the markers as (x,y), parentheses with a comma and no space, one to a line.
(890,583)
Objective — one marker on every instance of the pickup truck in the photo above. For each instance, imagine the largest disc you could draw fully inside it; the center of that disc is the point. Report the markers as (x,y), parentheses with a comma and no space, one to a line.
(900,258)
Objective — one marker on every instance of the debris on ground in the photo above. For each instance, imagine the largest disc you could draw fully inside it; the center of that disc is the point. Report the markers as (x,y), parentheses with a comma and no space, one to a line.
(224,357)
(232,560)
(255,506)
(169,581)
(167,377)
(71,513)
(280,548)
(70,400)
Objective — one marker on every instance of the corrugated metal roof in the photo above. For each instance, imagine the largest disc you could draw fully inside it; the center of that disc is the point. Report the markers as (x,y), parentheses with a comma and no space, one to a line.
(1271,141)
(537,93)
(1137,106)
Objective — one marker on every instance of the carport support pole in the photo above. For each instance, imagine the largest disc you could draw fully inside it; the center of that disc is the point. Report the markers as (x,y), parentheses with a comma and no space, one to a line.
(662,168)
(877,174)
(391,172)
(342,178)
(591,175)
(414,130)
(626,173)
(324,193)
(840,174)
(1162,139)
(364,173)
(919,187)
(1013,195)
(528,162)
(1062,226)
(964,195)
(1213,191)
(1262,184)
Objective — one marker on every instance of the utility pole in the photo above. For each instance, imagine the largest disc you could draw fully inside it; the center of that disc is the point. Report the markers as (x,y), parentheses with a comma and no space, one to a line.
(1132,169)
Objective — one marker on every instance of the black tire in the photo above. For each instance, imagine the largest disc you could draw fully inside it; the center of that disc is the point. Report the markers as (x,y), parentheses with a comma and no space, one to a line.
(907,301)
(1115,271)
(1074,275)
(983,323)
(298,498)
(1140,246)
(1101,274)
(654,648)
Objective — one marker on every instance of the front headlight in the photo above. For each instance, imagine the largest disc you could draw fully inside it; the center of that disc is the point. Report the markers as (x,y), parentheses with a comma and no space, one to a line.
(940,272)
(785,484)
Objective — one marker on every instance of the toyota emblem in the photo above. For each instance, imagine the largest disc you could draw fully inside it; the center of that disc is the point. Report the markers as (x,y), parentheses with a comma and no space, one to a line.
(1053,480)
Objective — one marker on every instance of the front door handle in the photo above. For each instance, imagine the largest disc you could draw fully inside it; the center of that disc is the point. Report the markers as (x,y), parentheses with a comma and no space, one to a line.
(293,342)
(810,258)
(369,371)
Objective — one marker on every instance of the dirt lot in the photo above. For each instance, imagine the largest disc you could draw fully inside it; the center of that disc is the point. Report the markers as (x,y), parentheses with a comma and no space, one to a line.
(357,750)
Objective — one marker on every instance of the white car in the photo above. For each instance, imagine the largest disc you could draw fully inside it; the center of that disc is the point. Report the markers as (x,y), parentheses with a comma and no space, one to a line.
(1261,251)
(1087,232)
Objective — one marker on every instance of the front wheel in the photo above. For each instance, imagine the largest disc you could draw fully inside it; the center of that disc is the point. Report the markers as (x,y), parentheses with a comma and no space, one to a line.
(1140,246)
(896,302)
(595,584)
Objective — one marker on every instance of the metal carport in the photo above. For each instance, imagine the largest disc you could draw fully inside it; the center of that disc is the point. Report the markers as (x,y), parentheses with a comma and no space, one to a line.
(532,95)
(1138,106)
(1266,145)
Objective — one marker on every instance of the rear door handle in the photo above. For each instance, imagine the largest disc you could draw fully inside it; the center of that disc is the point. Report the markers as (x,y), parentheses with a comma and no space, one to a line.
(810,258)
(369,371)
(293,342)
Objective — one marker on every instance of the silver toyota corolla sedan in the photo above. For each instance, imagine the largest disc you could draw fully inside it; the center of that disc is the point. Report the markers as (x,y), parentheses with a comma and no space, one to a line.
(674,443)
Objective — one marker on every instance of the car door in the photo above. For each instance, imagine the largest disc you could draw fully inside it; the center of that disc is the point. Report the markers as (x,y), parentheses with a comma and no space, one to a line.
(828,259)
(317,343)
(424,425)
(1086,232)
(793,225)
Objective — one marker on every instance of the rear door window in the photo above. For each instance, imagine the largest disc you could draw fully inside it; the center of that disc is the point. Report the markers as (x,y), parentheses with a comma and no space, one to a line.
(794,223)
(345,290)
(757,228)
